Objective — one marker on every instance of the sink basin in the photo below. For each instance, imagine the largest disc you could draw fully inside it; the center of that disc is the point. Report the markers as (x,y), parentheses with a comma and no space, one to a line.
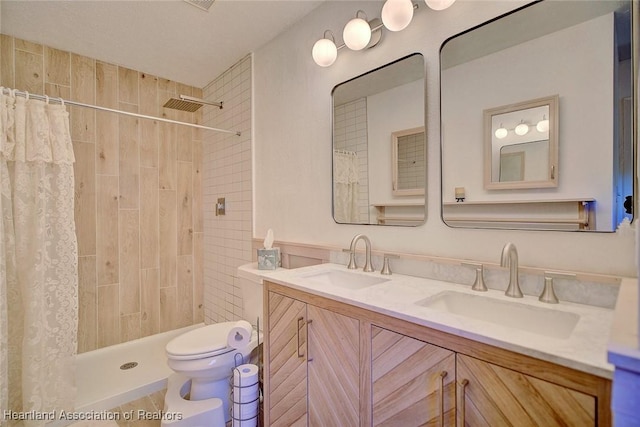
(344,279)
(538,320)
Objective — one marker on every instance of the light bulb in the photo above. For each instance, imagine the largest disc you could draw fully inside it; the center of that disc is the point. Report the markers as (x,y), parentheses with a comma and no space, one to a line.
(439,4)
(324,52)
(501,132)
(543,125)
(522,129)
(397,14)
(356,34)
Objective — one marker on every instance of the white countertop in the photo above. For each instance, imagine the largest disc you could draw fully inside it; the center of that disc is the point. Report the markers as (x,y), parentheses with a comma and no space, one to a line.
(585,349)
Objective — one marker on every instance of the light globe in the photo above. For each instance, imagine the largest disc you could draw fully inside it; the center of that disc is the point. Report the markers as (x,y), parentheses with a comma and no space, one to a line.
(324,52)
(439,4)
(356,34)
(397,14)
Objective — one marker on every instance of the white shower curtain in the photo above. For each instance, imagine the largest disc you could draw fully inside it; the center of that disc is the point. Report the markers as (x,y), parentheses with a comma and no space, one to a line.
(39,258)
(345,186)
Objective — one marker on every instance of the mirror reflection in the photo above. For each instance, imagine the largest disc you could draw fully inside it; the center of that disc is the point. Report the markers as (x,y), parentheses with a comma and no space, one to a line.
(379,146)
(579,50)
(408,161)
(521,145)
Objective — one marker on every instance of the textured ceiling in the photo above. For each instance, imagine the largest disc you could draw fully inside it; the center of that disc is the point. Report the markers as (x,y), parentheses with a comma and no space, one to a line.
(167,38)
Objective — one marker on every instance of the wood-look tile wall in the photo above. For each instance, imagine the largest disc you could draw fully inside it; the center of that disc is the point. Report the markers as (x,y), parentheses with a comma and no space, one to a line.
(138,208)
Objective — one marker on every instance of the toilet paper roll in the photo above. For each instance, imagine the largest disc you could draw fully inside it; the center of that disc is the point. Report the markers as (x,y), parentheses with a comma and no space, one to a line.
(245,395)
(240,335)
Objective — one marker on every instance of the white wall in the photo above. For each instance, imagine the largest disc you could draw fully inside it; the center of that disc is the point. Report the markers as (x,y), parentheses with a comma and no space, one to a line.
(292,147)
(562,63)
(227,173)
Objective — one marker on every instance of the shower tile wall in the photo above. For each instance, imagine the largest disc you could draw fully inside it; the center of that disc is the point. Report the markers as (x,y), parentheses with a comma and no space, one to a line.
(138,193)
(350,133)
(227,173)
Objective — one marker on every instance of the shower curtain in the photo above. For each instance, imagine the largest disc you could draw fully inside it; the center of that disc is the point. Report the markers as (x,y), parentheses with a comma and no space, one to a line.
(39,258)
(345,186)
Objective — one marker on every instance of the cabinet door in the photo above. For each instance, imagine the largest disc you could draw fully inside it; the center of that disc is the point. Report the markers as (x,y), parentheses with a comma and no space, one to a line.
(334,392)
(287,361)
(495,396)
(413,382)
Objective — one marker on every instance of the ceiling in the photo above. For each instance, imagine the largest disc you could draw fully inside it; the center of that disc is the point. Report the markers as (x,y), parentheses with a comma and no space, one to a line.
(167,38)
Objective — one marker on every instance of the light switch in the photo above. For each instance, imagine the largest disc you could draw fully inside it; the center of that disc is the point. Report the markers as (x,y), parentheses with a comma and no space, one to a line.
(220,206)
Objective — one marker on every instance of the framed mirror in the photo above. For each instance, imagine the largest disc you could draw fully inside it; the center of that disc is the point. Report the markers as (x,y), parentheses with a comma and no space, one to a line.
(521,145)
(580,52)
(408,156)
(369,186)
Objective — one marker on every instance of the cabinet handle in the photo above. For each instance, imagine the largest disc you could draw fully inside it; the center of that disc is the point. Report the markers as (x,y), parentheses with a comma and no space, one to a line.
(310,359)
(463,385)
(300,319)
(442,375)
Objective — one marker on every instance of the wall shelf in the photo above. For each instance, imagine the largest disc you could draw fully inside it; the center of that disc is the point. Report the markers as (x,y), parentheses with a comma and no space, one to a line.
(400,213)
(561,214)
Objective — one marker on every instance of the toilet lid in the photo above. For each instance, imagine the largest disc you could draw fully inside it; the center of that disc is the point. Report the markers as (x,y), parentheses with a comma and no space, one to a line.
(207,341)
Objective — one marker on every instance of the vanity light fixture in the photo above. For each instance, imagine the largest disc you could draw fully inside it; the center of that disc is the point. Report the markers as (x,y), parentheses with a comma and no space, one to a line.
(543,125)
(357,32)
(439,4)
(397,14)
(501,132)
(325,51)
(522,128)
(361,33)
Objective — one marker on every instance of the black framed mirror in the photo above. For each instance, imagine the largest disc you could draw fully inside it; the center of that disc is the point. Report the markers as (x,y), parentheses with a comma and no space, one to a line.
(581,51)
(369,111)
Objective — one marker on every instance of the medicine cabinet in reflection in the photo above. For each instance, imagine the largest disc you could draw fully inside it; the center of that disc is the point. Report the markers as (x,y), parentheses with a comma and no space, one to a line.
(375,181)
(521,145)
(408,166)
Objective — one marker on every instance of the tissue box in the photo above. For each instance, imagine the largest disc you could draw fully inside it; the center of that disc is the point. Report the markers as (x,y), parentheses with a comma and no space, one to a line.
(268,259)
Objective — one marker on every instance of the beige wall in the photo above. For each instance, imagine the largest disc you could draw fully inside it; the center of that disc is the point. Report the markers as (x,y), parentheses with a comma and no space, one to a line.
(138,193)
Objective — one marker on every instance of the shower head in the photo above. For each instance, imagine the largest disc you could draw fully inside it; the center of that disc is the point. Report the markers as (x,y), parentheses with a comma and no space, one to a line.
(188,103)
(201,4)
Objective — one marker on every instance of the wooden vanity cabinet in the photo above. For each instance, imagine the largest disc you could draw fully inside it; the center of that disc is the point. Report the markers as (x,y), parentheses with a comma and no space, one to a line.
(490,395)
(312,357)
(286,361)
(363,368)
(413,382)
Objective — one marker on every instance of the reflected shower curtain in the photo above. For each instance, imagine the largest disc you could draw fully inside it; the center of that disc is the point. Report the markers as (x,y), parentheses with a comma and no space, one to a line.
(39,258)
(345,186)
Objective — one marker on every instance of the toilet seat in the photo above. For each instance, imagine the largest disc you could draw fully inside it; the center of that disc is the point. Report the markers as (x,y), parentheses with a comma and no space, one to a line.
(208,341)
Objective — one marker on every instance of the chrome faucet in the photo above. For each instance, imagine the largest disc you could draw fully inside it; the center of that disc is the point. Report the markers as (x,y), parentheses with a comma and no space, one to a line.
(352,250)
(509,259)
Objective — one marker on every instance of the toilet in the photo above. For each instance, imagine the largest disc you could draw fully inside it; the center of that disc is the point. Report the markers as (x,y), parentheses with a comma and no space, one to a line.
(198,392)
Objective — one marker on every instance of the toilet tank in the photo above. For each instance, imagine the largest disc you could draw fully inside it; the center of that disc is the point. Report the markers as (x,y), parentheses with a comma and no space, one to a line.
(251,288)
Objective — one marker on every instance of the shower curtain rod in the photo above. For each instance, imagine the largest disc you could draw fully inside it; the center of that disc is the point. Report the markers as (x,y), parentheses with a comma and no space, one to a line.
(111,110)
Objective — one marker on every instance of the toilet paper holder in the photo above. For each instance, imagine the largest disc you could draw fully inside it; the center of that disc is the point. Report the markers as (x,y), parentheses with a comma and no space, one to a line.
(236,399)
(239,405)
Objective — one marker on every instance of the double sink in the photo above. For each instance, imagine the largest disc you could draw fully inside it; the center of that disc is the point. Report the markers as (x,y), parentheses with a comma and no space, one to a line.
(485,307)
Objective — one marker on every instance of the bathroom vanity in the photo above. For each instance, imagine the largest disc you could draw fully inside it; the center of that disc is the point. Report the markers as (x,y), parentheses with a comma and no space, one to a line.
(348,348)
